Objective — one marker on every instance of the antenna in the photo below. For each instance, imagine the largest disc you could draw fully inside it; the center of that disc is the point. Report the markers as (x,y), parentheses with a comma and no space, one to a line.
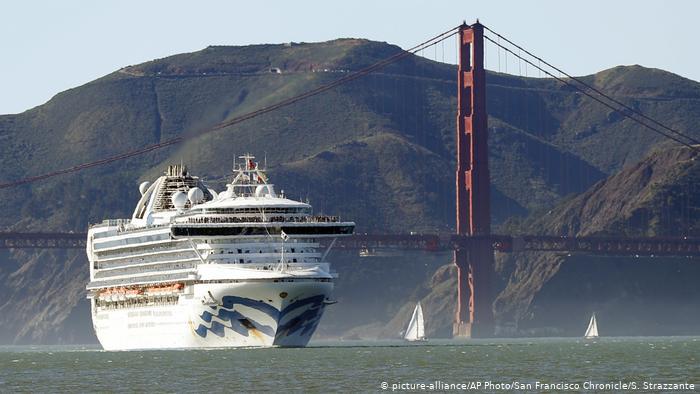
(265,160)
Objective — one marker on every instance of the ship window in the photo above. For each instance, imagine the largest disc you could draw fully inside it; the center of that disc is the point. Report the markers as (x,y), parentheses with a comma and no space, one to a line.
(240,251)
(240,261)
(294,260)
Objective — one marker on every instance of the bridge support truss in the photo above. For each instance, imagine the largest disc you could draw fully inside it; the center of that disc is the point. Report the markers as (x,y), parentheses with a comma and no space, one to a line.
(475,263)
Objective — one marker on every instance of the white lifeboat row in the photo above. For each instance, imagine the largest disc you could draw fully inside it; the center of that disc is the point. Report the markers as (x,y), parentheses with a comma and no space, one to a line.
(125,293)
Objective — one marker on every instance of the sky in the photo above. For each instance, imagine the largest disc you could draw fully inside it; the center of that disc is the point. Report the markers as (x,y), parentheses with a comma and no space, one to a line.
(50,46)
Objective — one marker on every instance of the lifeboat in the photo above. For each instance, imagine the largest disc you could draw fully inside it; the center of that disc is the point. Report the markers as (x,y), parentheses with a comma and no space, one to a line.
(119,293)
(165,289)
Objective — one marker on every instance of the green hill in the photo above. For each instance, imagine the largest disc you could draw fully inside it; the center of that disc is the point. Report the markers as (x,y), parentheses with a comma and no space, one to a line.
(379,150)
(555,293)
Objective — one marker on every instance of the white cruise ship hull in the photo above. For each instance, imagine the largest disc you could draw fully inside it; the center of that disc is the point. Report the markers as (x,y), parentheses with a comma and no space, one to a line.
(194,268)
(262,313)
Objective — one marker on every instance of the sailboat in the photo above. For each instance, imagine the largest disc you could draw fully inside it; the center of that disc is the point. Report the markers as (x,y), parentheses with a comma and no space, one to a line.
(416,327)
(592,330)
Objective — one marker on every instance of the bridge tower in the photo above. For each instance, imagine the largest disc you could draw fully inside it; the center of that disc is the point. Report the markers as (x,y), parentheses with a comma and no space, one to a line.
(475,262)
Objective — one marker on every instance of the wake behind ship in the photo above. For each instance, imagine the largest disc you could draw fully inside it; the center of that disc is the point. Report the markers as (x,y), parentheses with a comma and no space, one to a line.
(193,268)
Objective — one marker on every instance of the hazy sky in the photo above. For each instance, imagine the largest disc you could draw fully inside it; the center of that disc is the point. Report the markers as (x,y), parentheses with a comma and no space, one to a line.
(51,46)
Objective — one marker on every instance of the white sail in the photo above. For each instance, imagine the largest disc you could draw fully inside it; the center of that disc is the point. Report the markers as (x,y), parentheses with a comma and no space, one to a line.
(592,330)
(416,327)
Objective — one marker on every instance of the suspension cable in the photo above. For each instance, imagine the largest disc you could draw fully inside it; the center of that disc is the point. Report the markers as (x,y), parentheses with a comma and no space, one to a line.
(239,119)
(593,88)
(562,80)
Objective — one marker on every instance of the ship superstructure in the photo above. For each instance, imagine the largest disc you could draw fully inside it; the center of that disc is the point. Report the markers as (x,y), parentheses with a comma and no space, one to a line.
(197,268)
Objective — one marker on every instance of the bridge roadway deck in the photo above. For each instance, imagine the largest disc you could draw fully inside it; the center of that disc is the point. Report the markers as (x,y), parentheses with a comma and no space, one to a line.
(620,246)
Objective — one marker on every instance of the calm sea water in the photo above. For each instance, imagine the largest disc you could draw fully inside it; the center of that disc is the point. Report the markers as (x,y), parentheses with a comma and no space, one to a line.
(357,366)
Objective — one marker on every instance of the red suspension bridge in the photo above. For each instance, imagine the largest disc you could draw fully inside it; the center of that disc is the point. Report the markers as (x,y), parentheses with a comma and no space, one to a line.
(473,243)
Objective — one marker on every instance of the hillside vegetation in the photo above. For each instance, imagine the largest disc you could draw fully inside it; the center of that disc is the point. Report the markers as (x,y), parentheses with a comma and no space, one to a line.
(555,293)
(379,150)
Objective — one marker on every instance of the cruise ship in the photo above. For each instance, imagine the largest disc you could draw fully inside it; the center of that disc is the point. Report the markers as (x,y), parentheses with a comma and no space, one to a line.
(194,268)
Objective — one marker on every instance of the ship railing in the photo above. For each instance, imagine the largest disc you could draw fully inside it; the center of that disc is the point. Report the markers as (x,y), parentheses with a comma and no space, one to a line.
(137,301)
(140,251)
(289,266)
(141,270)
(122,224)
(141,279)
(258,219)
(133,262)
(112,223)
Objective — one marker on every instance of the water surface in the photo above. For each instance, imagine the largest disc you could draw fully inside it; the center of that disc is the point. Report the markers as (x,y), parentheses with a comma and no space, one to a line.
(354,366)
